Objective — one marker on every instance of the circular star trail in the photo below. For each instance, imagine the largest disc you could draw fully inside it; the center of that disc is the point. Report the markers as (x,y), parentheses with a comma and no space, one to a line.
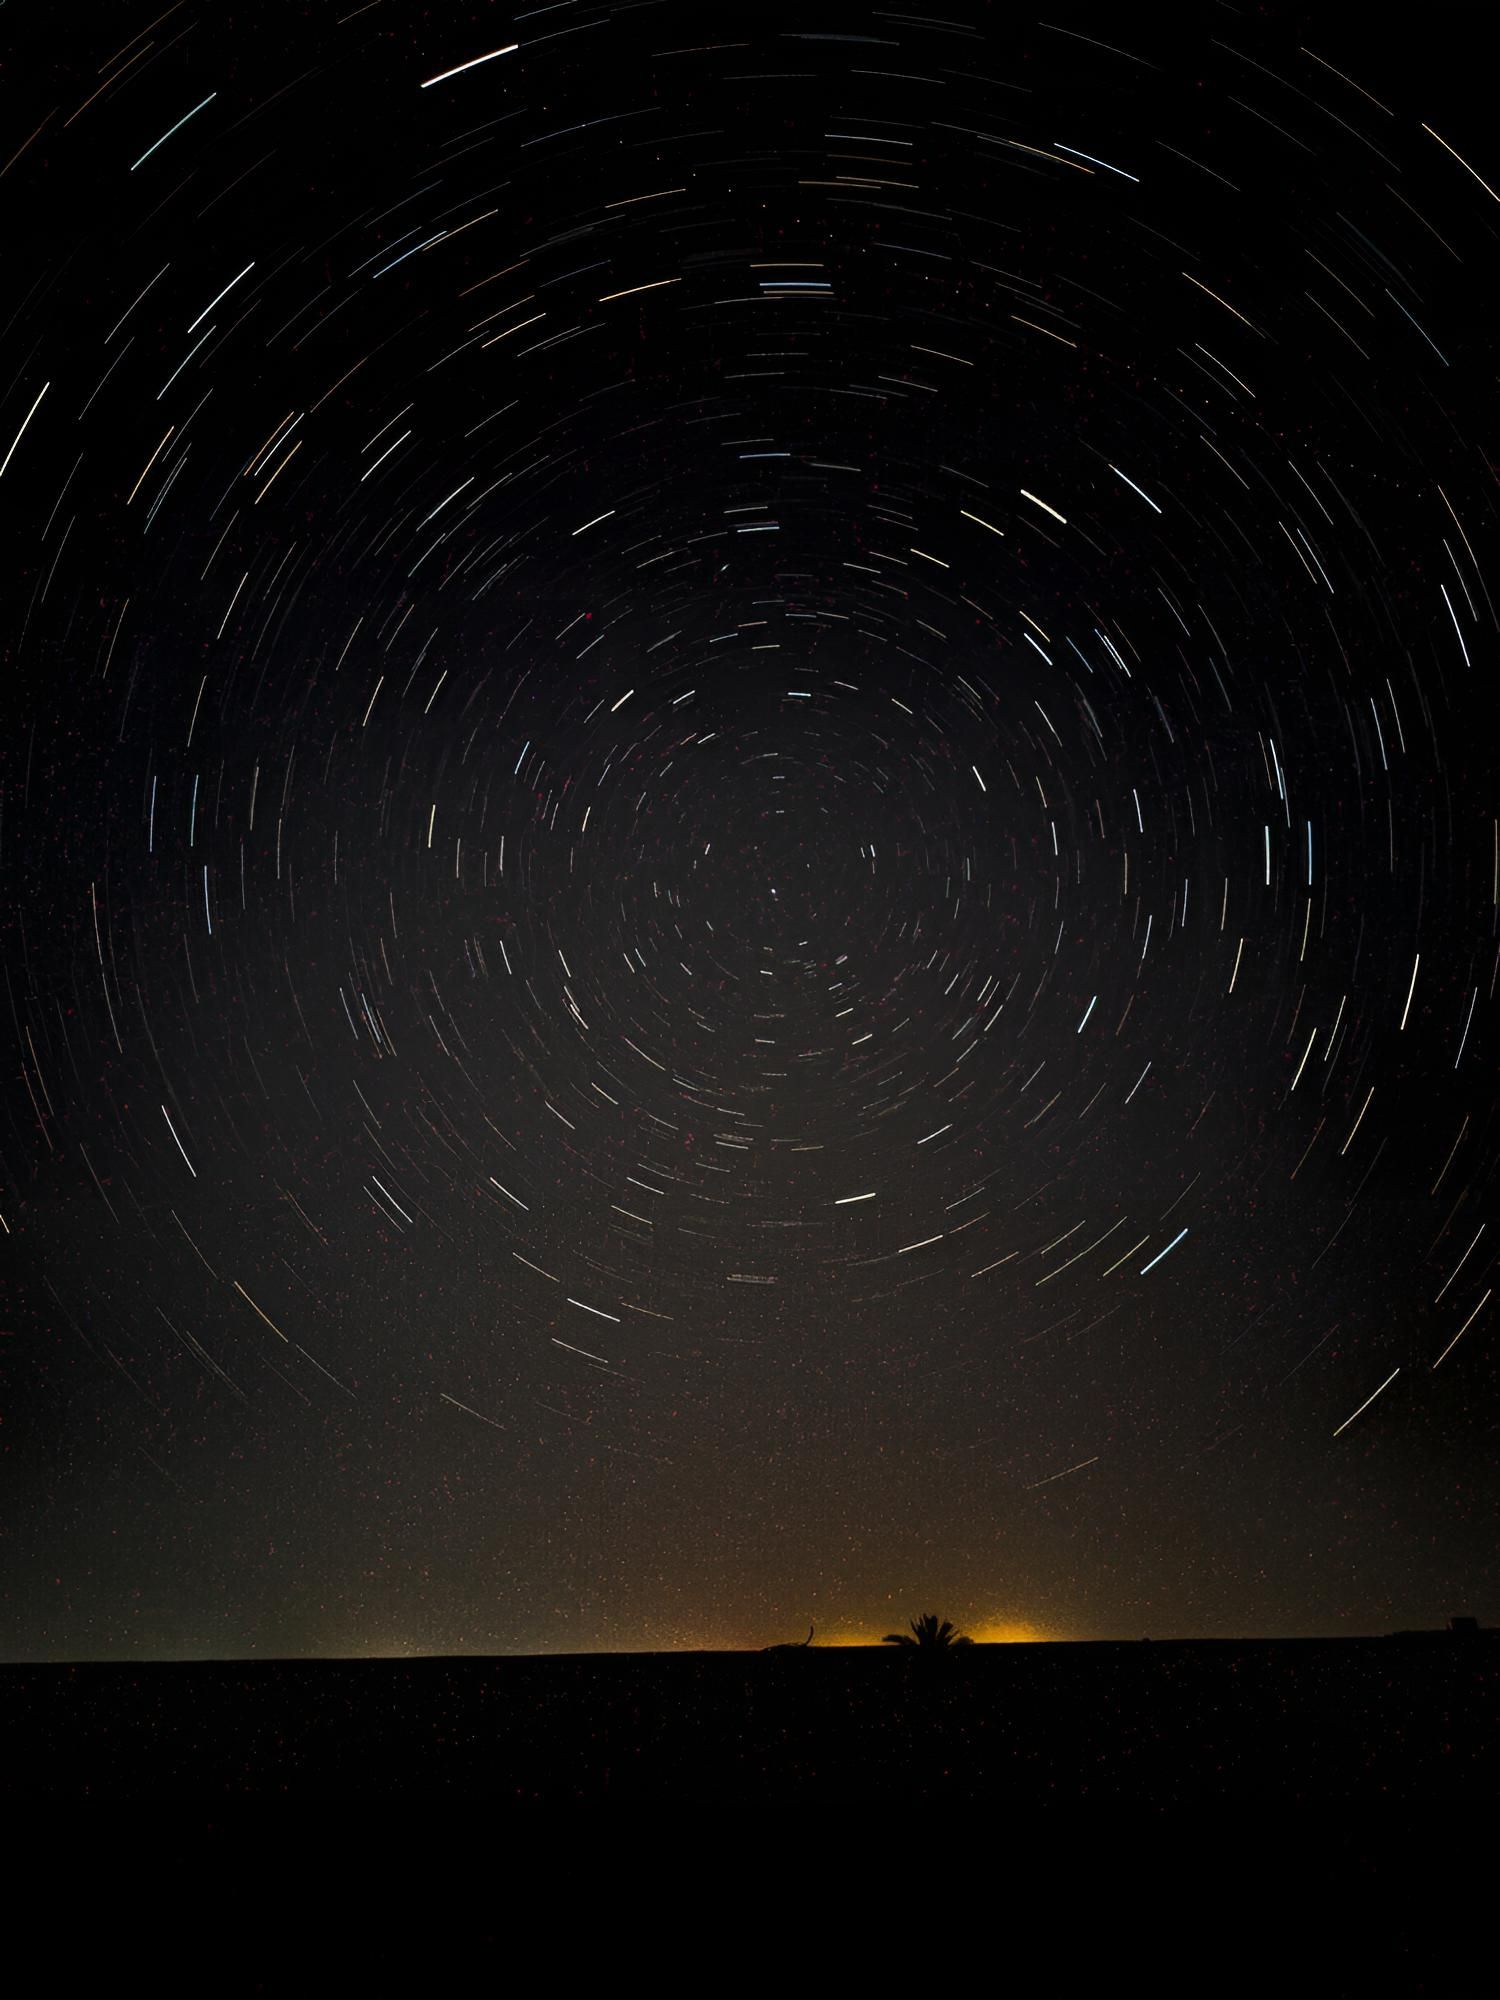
(749,852)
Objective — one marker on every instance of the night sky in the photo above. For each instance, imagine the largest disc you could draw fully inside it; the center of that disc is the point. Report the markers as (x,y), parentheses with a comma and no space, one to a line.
(749,860)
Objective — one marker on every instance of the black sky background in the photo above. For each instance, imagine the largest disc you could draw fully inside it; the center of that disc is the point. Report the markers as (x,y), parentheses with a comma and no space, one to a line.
(663,708)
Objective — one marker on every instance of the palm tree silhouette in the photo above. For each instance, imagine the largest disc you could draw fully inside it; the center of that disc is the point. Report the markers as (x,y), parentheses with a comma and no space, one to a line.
(929,1636)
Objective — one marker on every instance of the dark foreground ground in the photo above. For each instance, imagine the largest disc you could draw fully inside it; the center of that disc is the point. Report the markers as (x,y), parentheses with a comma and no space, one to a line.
(1310,1719)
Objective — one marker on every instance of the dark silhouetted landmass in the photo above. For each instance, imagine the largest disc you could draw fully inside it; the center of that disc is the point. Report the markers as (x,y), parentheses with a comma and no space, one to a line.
(1411,1716)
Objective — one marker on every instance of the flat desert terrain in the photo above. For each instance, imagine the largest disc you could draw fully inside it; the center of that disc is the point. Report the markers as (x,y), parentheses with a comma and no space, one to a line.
(1404,1717)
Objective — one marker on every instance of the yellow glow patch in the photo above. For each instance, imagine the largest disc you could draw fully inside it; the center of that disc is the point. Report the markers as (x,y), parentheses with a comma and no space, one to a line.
(1005,1632)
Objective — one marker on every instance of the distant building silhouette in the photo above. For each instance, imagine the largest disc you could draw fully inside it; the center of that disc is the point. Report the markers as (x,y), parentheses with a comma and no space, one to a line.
(1460,1626)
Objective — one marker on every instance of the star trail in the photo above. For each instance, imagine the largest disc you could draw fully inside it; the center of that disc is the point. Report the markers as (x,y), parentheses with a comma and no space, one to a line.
(749,854)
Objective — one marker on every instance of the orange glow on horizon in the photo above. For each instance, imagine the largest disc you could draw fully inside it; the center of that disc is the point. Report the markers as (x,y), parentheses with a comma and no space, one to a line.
(1007,1632)
(994,1631)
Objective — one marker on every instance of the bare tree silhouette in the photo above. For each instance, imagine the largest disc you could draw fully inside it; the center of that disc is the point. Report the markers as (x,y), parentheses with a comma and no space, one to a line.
(792,1646)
